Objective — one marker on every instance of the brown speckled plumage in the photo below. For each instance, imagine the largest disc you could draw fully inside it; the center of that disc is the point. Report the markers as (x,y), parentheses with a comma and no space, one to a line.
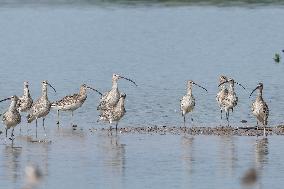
(25,102)
(259,107)
(116,113)
(110,98)
(12,117)
(40,107)
(187,103)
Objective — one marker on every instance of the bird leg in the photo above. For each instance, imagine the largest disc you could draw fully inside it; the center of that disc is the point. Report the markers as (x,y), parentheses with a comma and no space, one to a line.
(116,126)
(6,133)
(36,127)
(221,114)
(227,117)
(57,118)
(184,120)
(264,131)
(72,124)
(12,137)
(43,126)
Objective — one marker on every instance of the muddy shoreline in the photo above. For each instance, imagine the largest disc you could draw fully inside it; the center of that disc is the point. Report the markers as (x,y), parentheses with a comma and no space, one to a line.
(217,131)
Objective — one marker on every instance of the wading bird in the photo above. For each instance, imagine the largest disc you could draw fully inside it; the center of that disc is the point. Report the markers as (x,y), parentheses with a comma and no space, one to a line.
(259,107)
(231,99)
(72,102)
(110,98)
(25,102)
(41,107)
(187,102)
(223,92)
(116,113)
(11,117)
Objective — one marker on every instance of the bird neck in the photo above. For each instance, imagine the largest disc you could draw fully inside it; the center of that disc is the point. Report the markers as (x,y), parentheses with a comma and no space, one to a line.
(26,92)
(189,91)
(44,91)
(13,105)
(231,88)
(114,84)
(259,93)
(83,91)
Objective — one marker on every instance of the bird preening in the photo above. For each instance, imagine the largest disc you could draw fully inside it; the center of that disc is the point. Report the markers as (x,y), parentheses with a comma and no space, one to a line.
(112,103)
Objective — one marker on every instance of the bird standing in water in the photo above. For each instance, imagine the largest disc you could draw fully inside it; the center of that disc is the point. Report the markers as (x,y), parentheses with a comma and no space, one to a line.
(72,102)
(223,92)
(230,100)
(259,107)
(110,98)
(41,106)
(12,117)
(25,102)
(116,113)
(187,103)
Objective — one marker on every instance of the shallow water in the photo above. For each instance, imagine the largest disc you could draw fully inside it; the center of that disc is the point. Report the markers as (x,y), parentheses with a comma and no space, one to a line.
(160,48)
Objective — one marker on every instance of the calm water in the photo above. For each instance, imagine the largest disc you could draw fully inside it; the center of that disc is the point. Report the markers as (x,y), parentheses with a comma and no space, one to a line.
(160,48)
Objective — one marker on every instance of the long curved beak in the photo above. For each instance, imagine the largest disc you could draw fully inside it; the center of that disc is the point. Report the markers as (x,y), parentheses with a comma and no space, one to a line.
(5,99)
(234,82)
(95,90)
(200,86)
(51,87)
(129,80)
(240,85)
(253,91)
(223,83)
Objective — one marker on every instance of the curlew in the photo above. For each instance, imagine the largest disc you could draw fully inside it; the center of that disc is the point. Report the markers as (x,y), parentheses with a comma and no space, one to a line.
(259,107)
(73,102)
(187,103)
(116,113)
(223,92)
(110,98)
(41,107)
(230,100)
(25,102)
(11,118)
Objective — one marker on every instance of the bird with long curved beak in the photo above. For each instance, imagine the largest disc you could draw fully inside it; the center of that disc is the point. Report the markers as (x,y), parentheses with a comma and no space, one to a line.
(25,102)
(223,92)
(259,107)
(115,114)
(12,117)
(187,102)
(41,106)
(111,98)
(73,102)
(230,100)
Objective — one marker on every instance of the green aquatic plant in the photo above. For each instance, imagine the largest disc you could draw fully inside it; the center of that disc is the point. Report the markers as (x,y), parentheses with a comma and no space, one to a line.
(277,58)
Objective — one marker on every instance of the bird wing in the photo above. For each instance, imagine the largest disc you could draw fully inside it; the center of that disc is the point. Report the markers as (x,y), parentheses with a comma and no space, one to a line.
(70,99)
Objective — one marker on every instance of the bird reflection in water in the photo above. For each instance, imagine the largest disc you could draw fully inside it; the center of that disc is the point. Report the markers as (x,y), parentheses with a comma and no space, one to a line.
(187,144)
(12,163)
(113,157)
(33,177)
(252,177)
(228,155)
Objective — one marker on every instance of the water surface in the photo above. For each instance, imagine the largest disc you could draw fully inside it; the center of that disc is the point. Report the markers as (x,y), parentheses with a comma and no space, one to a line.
(160,48)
